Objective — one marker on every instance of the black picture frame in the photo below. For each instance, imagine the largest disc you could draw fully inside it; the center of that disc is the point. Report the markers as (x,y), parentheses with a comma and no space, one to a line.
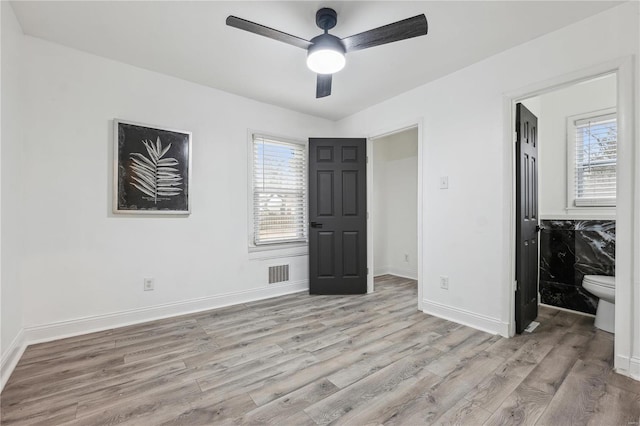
(152,169)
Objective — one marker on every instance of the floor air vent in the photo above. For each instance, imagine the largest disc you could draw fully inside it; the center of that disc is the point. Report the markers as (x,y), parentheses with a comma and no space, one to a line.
(278,274)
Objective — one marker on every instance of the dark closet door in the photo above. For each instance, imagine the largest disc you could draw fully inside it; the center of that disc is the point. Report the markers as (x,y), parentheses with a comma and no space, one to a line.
(526,217)
(337,216)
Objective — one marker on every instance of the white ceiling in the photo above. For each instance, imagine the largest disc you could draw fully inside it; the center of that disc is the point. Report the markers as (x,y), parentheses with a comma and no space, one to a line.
(190,40)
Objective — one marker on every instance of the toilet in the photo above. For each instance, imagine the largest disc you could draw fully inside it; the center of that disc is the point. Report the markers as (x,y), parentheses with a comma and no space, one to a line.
(603,287)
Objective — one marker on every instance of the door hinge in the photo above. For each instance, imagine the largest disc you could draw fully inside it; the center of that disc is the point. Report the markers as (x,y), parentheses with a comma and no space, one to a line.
(367,215)
(515,137)
(367,271)
(367,159)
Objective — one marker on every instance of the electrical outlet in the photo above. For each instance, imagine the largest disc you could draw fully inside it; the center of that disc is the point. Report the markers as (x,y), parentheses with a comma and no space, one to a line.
(406,257)
(444,282)
(444,182)
(149,284)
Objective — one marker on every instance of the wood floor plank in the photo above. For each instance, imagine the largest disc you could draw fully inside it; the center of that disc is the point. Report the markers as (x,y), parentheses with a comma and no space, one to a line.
(492,391)
(68,391)
(523,407)
(299,419)
(41,416)
(616,407)
(550,373)
(259,369)
(210,412)
(367,366)
(301,360)
(281,409)
(427,405)
(599,349)
(576,398)
(382,382)
(166,405)
(275,388)
(386,406)
(623,382)
(114,395)
(171,351)
(464,413)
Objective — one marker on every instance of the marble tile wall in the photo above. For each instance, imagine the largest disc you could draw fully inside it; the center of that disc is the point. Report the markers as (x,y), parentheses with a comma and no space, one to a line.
(569,250)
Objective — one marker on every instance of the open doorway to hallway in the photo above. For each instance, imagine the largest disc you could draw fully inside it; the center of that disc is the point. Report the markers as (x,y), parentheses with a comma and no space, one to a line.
(394,206)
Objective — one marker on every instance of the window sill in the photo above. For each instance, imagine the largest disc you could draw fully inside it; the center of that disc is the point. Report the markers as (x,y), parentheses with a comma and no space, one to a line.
(276,251)
(581,213)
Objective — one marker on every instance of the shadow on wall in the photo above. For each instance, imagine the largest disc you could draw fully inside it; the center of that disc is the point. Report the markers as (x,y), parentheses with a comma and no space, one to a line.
(569,250)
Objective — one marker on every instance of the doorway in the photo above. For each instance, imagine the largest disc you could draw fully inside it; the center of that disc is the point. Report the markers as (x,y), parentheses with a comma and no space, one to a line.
(625,359)
(575,229)
(394,202)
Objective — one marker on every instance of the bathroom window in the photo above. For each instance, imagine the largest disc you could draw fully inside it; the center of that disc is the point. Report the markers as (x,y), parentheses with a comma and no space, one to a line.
(593,160)
(279,189)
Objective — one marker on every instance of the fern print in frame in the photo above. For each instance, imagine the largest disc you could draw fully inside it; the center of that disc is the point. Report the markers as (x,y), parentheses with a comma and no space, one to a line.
(152,170)
(155,175)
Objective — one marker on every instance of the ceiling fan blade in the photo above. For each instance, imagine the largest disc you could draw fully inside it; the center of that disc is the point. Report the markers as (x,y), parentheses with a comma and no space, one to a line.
(401,30)
(252,27)
(323,85)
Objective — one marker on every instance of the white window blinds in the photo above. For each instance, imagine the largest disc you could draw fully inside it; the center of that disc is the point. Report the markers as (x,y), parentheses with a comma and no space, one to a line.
(279,191)
(595,161)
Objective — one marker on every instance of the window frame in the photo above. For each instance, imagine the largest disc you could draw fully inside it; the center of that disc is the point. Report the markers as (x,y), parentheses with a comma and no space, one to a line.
(288,248)
(585,205)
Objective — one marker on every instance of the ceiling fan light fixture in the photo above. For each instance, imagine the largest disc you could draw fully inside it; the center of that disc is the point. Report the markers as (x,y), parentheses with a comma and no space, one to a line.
(326,55)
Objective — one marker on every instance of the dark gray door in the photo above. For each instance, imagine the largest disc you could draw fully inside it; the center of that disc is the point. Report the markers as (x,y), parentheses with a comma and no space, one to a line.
(526,217)
(337,216)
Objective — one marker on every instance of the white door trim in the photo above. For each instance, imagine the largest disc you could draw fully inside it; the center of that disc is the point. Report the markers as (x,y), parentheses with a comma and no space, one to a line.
(396,128)
(628,204)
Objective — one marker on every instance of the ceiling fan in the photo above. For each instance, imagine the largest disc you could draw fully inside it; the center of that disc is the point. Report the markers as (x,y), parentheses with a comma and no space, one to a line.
(326,52)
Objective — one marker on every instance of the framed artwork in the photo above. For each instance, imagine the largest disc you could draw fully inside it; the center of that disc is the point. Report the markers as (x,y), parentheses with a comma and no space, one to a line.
(152,169)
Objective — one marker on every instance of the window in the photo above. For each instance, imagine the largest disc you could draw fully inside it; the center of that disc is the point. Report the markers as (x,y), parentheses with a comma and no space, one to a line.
(595,149)
(279,191)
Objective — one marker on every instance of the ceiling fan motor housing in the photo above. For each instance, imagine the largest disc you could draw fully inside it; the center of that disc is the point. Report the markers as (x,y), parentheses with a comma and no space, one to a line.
(326,42)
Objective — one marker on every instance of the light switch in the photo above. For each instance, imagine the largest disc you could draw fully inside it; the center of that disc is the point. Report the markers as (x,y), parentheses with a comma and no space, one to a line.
(444,182)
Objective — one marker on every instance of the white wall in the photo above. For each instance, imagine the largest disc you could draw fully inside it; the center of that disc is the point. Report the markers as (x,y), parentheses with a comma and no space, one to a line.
(83,266)
(467,228)
(11,147)
(556,107)
(395,195)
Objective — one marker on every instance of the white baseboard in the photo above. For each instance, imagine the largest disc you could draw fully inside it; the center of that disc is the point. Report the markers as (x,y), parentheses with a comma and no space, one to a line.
(404,273)
(468,318)
(558,308)
(10,358)
(91,324)
(398,272)
(626,366)
(634,368)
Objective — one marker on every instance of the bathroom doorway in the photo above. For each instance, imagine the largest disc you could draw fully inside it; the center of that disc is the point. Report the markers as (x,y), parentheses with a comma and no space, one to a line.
(576,193)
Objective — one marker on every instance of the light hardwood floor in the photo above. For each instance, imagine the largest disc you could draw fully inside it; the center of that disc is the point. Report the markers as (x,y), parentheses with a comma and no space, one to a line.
(300,359)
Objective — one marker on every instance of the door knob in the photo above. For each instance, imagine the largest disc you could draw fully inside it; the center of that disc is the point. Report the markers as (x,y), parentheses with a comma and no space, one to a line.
(316,225)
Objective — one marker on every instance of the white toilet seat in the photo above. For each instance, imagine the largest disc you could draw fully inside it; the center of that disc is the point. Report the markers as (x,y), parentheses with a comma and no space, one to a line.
(601,280)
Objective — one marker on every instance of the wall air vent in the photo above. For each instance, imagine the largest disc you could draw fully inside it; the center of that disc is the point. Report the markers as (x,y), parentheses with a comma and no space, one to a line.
(278,274)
